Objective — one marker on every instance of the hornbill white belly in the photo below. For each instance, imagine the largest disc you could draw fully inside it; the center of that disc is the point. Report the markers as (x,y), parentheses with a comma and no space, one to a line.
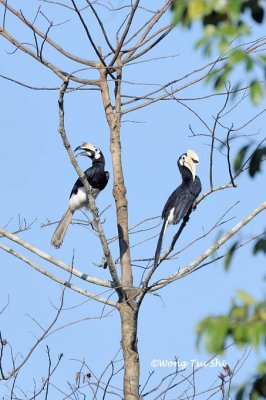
(97,178)
(181,200)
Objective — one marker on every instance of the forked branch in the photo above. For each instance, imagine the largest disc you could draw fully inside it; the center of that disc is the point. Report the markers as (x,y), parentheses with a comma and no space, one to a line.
(93,208)
(191,266)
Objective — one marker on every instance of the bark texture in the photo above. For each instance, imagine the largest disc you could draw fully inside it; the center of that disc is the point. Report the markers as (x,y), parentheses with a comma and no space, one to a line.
(129,324)
(127,305)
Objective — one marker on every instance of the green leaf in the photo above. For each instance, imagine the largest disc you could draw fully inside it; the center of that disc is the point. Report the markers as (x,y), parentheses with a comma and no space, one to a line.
(215,331)
(240,393)
(229,255)
(223,44)
(262,57)
(238,313)
(254,331)
(222,79)
(260,246)
(260,314)
(255,161)
(261,367)
(258,390)
(179,8)
(256,92)
(234,8)
(245,297)
(196,9)
(200,43)
(240,158)
(236,56)
(216,334)
(240,334)
(249,63)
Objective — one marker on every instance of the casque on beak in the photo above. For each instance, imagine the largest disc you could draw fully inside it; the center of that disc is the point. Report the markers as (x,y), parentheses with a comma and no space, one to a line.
(191,166)
(193,155)
(191,160)
(88,150)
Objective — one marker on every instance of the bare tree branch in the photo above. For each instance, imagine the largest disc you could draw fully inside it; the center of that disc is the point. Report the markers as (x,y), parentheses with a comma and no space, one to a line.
(82,176)
(55,278)
(166,30)
(150,24)
(46,38)
(101,26)
(124,35)
(53,260)
(13,373)
(191,266)
(61,74)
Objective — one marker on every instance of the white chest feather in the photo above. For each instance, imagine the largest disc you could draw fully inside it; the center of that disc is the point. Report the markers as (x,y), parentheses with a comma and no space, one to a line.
(80,199)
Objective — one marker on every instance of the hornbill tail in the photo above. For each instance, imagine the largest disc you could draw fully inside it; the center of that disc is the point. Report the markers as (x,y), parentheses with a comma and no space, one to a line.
(160,242)
(61,229)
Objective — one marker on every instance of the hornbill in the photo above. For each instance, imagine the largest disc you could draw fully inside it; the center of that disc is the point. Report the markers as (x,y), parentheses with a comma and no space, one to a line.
(181,200)
(97,178)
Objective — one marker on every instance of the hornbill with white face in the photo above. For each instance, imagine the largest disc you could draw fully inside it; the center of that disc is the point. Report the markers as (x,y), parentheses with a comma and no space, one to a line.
(181,200)
(97,178)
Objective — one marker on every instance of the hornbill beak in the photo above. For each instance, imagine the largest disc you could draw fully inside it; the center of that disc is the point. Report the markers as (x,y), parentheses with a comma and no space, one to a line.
(190,162)
(88,150)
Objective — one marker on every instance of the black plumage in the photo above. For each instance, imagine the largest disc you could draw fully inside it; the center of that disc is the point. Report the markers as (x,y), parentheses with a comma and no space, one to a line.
(97,178)
(181,200)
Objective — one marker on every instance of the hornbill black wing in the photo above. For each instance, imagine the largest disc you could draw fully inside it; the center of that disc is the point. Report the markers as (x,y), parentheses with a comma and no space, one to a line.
(177,206)
(180,201)
(97,178)
(90,173)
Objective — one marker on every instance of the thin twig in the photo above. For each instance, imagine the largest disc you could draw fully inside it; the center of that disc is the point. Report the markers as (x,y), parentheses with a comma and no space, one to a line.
(88,188)
(191,266)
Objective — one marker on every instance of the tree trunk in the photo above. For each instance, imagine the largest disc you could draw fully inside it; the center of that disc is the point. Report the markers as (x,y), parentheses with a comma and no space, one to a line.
(127,306)
(129,321)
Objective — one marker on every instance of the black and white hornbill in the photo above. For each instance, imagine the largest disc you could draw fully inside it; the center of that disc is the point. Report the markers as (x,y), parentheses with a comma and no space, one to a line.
(182,199)
(97,178)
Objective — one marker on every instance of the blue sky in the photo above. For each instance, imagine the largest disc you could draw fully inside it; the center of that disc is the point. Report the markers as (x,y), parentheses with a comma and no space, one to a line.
(36,180)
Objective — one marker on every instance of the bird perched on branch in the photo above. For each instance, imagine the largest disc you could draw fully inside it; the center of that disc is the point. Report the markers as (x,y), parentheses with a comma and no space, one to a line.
(97,178)
(181,200)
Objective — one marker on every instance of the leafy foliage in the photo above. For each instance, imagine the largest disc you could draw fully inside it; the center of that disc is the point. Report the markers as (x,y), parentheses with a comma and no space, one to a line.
(256,390)
(245,323)
(260,246)
(229,255)
(223,22)
(254,161)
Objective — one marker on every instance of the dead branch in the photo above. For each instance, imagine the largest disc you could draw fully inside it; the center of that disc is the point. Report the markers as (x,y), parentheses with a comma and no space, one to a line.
(101,26)
(16,369)
(61,74)
(56,278)
(124,34)
(191,266)
(150,24)
(56,262)
(165,31)
(82,176)
(45,37)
